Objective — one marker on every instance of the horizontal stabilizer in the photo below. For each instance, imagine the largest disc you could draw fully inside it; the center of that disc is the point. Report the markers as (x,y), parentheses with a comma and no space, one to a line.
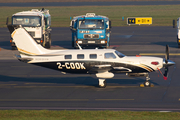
(23,59)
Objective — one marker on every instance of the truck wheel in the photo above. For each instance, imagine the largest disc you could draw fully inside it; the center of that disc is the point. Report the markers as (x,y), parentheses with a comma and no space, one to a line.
(178,42)
(72,43)
(76,47)
(14,48)
(107,45)
(48,44)
(178,46)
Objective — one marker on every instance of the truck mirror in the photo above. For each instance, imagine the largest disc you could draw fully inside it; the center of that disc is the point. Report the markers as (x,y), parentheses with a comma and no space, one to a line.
(110,24)
(72,24)
(174,23)
(7,20)
(45,19)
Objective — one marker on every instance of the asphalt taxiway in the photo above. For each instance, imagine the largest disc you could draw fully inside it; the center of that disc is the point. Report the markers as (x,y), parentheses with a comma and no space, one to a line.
(25,86)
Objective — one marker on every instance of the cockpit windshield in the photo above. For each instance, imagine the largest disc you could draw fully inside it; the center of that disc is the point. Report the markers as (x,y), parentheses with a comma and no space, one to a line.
(92,24)
(119,54)
(34,21)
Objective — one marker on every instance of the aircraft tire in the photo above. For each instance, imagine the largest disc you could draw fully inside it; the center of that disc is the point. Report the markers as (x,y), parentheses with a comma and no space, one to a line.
(147,83)
(104,85)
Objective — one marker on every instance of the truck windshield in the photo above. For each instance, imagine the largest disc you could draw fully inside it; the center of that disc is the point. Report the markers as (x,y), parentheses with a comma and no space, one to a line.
(92,24)
(34,21)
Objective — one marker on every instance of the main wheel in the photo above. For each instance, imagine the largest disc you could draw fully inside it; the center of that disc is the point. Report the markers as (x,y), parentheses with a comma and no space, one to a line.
(102,83)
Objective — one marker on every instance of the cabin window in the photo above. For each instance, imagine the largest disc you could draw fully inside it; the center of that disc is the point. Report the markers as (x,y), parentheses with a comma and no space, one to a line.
(109,56)
(93,56)
(68,56)
(80,56)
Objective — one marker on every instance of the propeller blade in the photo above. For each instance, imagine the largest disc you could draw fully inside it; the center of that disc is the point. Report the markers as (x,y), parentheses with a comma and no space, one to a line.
(167,54)
(166,71)
(166,61)
(165,74)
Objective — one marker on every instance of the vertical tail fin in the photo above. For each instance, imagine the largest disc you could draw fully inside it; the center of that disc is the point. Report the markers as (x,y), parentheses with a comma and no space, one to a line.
(25,43)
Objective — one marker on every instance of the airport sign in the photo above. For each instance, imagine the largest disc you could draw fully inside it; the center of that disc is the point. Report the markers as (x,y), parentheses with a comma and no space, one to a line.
(139,20)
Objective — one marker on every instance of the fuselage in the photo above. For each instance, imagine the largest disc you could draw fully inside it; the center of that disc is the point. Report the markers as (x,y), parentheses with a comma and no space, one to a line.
(83,61)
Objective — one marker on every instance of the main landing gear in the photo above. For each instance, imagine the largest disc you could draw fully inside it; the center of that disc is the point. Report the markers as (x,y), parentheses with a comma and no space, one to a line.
(147,83)
(102,83)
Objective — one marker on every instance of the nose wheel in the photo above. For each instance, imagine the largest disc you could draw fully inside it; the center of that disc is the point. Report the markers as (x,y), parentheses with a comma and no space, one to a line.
(147,83)
(102,83)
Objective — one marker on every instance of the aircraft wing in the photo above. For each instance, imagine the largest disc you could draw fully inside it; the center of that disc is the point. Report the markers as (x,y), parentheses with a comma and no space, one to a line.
(108,68)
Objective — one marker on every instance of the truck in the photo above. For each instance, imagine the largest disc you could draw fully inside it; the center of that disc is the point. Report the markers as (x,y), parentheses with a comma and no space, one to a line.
(36,22)
(90,30)
(178,32)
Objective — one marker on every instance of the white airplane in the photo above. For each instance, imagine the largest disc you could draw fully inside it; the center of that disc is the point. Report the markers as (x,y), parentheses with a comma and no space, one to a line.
(104,63)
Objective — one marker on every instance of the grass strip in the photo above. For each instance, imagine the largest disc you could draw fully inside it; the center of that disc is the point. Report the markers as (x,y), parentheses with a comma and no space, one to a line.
(25,1)
(162,15)
(85,115)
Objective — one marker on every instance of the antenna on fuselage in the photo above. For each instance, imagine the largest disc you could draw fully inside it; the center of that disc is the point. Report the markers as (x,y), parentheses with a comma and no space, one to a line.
(79,46)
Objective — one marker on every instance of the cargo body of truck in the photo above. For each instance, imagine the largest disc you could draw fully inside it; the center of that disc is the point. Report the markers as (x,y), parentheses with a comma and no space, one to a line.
(90,30)
(37,23)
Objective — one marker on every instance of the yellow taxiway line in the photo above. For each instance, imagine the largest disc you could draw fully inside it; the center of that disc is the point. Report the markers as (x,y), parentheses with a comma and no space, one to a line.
(44,100)
(112,99)
(58,100)
(172,54)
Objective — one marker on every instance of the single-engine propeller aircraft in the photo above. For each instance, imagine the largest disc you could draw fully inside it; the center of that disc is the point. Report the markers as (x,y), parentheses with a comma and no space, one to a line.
(104,63)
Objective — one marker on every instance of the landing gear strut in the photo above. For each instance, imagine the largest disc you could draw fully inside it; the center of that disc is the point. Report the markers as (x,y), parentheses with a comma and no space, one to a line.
(102,83)
(147,83)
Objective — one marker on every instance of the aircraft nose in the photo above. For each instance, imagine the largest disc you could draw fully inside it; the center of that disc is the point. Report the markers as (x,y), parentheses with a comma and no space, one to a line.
(169,63)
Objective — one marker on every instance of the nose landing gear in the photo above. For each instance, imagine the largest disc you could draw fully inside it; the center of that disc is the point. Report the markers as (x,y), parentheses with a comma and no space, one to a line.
(147,83)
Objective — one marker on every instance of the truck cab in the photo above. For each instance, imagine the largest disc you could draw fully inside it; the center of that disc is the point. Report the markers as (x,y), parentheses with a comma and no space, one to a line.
(37,23)
(90,30)
(178,32)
